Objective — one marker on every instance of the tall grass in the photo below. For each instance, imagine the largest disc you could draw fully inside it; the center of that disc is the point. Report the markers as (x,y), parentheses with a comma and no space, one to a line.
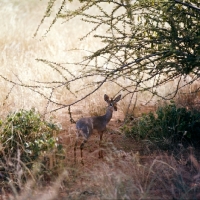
(124,177)
(20,49)
(121,175)
(162,177)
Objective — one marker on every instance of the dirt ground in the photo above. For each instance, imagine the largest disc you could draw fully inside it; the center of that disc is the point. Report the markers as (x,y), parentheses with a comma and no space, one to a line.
(114,143)
(124,159)
(119,152)
(128,170)
(116,148)
(113,140)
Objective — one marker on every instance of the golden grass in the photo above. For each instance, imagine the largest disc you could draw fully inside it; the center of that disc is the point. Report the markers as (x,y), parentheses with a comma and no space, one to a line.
(19,51)
(122,175)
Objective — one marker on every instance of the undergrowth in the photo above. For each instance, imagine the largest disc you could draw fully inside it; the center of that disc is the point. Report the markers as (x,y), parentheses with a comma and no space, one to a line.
(120,175)
(168,127)
(28,143)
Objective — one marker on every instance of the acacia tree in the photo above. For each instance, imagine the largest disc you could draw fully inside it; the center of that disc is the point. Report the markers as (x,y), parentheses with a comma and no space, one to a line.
(147,42)
(144,40)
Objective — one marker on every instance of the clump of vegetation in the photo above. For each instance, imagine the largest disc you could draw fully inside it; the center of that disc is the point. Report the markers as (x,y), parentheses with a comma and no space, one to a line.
(169,126)
(25,139)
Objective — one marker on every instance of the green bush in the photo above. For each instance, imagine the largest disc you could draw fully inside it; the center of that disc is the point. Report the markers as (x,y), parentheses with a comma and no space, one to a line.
(25,134)
(169,126)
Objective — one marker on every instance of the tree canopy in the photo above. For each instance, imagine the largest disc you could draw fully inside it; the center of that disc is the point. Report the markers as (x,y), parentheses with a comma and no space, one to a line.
(147,42)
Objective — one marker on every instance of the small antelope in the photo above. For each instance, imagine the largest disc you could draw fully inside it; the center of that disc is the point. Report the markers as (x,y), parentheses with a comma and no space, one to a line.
(85,126)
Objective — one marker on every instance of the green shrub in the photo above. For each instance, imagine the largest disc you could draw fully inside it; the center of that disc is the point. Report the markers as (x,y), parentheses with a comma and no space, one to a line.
(25,134)
(168,127)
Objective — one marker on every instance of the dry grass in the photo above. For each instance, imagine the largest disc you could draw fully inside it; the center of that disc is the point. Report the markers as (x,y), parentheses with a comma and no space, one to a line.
(126,172)
(19,50)
(130,176)
(122,174)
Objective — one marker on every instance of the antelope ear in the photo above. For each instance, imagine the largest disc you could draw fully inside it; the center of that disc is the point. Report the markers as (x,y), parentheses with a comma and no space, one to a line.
(117,98)
(106,97)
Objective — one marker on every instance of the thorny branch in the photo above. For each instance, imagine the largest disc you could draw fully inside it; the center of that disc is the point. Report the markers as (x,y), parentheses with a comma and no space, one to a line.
(144,43)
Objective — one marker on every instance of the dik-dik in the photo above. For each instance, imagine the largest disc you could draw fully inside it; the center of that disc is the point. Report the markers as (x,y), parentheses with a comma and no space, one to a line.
(85,126)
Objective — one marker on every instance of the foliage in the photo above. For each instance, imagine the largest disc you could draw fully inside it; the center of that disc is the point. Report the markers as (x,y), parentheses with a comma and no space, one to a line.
(26,135)
(170,126)
(146,42)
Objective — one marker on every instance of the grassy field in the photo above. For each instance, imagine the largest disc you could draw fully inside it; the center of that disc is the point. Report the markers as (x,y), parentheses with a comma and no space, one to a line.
(129,170)
(23,59)
(20,49)
(22,54)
